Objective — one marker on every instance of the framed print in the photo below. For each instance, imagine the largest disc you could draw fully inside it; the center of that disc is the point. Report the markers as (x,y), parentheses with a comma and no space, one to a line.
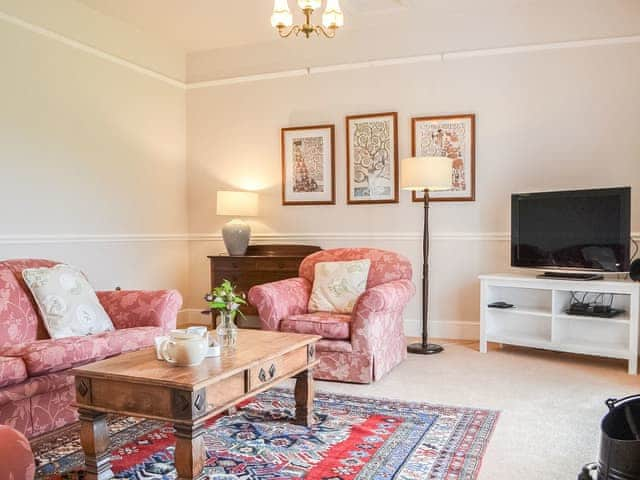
(372,158)
(308,162)
(450,136)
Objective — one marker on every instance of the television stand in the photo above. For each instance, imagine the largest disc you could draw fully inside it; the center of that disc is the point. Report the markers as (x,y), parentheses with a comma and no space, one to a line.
(571,276)
(541,316)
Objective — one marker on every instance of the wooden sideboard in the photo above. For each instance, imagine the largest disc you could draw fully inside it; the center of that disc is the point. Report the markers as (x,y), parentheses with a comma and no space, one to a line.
(261,264)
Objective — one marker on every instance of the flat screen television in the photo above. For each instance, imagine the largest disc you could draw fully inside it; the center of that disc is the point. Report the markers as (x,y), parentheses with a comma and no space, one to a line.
(585,230)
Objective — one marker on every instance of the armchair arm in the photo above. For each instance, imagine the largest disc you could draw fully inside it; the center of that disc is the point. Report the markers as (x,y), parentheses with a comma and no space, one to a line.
(277,300)
(137,308)
(377,315)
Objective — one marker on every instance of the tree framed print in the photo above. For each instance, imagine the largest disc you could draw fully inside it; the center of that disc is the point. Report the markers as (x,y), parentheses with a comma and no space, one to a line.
(372,158)
(308,165)
(450,136)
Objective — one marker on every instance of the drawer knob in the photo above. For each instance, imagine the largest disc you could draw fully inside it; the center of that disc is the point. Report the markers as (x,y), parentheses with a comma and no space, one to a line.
(272,371)
(262,375)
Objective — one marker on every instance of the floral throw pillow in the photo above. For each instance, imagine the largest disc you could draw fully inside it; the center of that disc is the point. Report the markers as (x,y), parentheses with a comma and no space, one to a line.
(337,285)
(68,304)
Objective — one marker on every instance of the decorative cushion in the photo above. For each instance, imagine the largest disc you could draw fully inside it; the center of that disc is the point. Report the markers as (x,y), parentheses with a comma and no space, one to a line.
(67,303)
(333,326)
(337,285)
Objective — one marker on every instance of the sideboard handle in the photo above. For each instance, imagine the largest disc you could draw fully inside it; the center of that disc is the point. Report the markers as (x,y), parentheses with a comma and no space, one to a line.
(262,375)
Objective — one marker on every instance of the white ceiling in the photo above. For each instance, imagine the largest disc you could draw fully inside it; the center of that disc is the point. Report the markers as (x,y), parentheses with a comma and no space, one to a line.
(196,25)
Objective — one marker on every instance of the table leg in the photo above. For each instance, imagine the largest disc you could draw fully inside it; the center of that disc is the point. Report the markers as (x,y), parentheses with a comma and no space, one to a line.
(190,451)
(304,393)
(94,438)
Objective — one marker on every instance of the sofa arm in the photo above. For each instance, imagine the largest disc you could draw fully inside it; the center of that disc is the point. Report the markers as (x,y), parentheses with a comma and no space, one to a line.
(138,308)
(277,300)
(15,454)
(377,315)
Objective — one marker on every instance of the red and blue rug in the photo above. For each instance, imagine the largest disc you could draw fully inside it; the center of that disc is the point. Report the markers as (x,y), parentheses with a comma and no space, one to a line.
(355,438)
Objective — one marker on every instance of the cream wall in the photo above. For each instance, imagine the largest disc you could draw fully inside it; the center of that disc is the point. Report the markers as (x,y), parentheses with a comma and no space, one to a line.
(104,168)
(551,119)
(92,155)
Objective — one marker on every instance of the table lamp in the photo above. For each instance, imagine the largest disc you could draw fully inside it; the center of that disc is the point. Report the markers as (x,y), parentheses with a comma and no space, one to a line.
(236,233)
(426,174)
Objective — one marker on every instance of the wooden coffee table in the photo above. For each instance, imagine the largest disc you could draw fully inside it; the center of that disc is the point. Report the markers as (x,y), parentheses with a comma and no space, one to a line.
(138,384)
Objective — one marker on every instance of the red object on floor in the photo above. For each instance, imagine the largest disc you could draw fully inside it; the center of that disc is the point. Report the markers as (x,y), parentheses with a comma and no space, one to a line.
(16,459)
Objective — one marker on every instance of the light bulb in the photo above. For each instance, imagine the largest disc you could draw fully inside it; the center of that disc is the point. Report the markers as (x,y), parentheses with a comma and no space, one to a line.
(281,16)
(332,16)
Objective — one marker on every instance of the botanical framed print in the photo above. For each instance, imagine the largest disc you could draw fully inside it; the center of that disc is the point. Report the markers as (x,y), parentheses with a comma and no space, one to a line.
(372,158)
(450,136)
(308,163)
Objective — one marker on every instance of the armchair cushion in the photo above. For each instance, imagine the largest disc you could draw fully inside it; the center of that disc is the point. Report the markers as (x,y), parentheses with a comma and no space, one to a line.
(337,285)
(137,308)
(333,326)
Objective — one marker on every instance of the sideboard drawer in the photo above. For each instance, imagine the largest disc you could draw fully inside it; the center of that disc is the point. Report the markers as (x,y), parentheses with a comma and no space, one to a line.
(235,263)
(284,366)
(279,264)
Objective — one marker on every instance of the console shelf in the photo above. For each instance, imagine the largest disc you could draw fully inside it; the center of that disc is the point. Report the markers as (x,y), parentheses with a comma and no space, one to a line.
(538,318)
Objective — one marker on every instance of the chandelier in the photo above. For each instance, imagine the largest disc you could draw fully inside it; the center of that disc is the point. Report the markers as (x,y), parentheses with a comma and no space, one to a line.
(282,20)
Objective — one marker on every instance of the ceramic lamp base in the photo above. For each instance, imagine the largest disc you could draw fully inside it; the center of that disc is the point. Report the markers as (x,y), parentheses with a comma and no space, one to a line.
(236,235)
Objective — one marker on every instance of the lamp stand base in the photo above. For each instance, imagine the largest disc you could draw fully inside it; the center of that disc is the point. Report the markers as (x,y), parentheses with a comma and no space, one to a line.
(422,349)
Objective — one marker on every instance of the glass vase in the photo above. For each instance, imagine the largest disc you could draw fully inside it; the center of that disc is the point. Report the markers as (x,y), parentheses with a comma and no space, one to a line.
(227,330)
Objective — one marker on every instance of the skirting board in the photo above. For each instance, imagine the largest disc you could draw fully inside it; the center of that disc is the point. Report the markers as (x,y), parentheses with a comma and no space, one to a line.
(454,330)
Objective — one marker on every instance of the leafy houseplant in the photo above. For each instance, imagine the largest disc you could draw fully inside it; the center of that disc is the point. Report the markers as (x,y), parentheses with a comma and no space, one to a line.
(227,302)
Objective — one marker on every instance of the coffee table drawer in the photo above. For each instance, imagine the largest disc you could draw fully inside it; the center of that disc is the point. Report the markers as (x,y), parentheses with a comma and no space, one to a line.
(267,372)
(225,391)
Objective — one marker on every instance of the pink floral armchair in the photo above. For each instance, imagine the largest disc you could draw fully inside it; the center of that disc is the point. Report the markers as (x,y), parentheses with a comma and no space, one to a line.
(360,347)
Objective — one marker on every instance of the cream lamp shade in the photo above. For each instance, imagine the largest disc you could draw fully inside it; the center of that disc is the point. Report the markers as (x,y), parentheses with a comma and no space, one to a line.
(237,204)
(426,173)
(236,233)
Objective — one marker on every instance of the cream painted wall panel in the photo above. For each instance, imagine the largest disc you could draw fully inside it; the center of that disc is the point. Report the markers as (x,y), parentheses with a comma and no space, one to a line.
(129,265)
(90,147)
(545,120)
(87,146)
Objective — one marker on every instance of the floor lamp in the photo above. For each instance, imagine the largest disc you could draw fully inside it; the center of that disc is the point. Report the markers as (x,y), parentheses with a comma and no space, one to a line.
(426,174)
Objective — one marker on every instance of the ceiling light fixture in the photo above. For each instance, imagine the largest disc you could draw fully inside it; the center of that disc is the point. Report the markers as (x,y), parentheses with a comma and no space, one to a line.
(282,19)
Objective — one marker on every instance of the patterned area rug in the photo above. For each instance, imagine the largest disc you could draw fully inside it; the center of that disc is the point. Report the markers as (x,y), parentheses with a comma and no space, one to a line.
(355,438)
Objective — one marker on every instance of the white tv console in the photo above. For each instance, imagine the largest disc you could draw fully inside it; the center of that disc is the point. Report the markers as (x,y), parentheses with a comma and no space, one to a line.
(538,318)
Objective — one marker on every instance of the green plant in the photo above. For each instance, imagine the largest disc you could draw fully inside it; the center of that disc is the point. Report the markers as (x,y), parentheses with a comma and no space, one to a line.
(224,298)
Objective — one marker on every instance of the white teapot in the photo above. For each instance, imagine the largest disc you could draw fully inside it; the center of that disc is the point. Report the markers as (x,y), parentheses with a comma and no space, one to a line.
(184,349)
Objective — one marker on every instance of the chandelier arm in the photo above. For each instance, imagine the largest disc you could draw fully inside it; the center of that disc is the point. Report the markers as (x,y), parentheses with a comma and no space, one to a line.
(329,33)
(284,33)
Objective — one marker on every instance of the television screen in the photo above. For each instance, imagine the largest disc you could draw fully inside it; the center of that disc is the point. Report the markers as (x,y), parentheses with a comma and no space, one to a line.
(580,229)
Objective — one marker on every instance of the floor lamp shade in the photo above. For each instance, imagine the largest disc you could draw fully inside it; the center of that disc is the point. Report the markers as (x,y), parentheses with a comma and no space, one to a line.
(426,173)
(236,233)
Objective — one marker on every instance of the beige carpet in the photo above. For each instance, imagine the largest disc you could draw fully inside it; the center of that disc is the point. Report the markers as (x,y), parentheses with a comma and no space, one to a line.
(551,403)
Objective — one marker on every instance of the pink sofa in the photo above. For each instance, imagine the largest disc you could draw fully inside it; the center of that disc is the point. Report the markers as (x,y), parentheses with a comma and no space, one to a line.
(36,390)
(360,347)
